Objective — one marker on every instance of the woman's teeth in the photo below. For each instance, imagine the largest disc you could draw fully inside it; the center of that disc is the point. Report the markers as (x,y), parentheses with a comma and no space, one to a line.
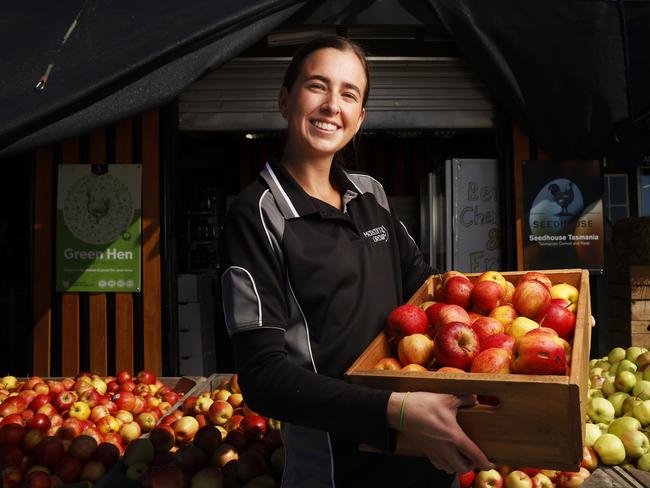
(324,125)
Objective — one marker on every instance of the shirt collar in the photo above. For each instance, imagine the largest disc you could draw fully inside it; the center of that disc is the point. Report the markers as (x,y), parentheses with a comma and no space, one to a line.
(292,200)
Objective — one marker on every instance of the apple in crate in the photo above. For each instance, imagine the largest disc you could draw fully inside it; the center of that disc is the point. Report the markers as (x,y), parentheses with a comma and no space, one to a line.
(487,295)
(492,360)
(440,314)
(486,327)
(536,275)
(539,352)
(406,320)
(387,364)
(503,341)
(496,277)
(415,349)
(488,479)
(457,290)
(558,318)
(529,297)
(456,345)
(566,292)
(504,314)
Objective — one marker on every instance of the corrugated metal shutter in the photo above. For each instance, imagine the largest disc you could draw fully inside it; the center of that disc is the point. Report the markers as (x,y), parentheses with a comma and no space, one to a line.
(406,93)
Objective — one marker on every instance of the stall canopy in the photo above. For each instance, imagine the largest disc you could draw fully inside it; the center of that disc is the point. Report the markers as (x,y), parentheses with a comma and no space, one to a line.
(573,72)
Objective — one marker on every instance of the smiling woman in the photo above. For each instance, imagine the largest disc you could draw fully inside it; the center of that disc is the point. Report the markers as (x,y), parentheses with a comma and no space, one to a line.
(314,261)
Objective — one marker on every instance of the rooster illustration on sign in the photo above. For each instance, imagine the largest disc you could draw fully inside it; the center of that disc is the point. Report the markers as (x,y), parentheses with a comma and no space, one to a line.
(562,198)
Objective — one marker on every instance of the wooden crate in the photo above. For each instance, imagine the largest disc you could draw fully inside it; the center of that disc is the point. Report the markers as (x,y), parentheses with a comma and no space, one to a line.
(628,304)
(539,421)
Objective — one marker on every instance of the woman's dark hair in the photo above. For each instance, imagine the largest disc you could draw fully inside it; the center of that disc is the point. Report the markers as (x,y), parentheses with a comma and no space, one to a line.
(335,42)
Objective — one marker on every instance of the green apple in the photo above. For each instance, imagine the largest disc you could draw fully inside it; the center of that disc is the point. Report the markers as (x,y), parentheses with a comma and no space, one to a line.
(642,390)
(592,433)
(639,375)
(642,412)
(609,387)
(623,424)
(633,352)
(643,360)
(643,462)
(592,362)
(603,427)
(624,381)
(596,372)
(613,369)
(604,364)
(600,410)
(615,355)
(617,400)
(595,392)
(626,365)
(636,443)
(610,449)
(629,404)
(646,373)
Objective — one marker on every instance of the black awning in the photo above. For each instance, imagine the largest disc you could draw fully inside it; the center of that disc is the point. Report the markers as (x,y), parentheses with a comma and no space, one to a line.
(575,73)
(120,59)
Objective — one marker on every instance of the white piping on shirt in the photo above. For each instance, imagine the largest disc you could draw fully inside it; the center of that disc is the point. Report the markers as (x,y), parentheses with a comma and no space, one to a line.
(286,197)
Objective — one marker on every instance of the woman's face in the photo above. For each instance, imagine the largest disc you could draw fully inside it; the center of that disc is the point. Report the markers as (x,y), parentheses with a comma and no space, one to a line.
(324,107)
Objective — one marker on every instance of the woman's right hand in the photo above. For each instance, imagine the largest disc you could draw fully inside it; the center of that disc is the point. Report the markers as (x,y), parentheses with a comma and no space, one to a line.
(429,420)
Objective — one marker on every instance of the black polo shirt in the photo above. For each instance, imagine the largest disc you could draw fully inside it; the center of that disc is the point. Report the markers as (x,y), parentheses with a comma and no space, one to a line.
(306,288)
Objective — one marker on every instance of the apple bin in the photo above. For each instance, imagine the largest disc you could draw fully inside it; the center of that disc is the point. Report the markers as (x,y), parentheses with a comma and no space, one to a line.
(539,419)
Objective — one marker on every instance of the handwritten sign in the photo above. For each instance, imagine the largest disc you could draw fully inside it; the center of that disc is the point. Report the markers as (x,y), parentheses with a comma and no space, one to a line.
(473,230)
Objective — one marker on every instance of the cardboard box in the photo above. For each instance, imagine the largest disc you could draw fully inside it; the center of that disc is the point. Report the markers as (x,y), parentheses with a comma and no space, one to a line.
(539,421)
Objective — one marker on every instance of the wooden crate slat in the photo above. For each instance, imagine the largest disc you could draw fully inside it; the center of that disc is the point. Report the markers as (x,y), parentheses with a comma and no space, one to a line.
(97,314)
(520,152)
(629,292)
(151,286)
(70,301)
(43,261)
(124,359)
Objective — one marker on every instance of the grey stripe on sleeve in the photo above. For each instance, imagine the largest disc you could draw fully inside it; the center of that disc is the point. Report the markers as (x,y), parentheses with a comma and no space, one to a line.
(242,307)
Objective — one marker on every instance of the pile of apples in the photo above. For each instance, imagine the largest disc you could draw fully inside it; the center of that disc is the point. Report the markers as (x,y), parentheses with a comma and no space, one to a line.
(507,477)
(31,459)
(618,412)
(212,440)
(114,410)
(488,325)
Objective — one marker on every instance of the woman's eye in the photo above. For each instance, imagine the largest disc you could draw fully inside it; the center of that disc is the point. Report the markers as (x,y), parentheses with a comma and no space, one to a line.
(350,95)
(317,86)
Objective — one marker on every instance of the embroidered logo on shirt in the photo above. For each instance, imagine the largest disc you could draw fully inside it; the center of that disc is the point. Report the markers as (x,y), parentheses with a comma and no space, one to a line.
(377,234)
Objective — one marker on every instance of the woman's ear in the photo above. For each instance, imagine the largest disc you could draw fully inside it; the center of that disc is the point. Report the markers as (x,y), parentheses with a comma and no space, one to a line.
(362,117)
(282,101)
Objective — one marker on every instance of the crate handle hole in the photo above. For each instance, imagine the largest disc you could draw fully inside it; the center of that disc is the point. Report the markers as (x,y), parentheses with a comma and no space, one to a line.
(488,402)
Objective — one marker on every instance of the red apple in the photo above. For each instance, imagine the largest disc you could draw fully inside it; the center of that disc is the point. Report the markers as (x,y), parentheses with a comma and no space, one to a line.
(415,349)
(107,454)
(94,433)
(529,297)
(456,345)
(122,376)
(220,412)
(504,314)
(146,377)
(68,469)
(572,479)
(446,314)
(558,318)
(40,421)
(123,416)
(387,363)
(487,295)
(83,447)
(535,275)
(39,401)
(13,404)
(466,480)
(11,435)
(457,290)
(163,437)
(492,360)
(188,404)
(539,353)
(12,477)
(589,458)
(130,432)
(63,401)
(223,455)
(208,438)
(146,421)
(31,439)
(504,341)
(108,424)
(31,382)
(128,385)
(28,395)
(170,397)
(474,316)
(49,451)
(486,327)
(125,400)
(70,428)
(139,406)
(14,418)
(406,320)
(254,427)
(186,428)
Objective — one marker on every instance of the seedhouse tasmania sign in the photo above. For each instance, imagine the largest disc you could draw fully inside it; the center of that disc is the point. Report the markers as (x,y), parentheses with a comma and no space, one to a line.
(98,228)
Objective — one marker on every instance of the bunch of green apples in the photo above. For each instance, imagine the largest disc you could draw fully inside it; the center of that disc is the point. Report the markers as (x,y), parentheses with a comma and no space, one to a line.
(618,411)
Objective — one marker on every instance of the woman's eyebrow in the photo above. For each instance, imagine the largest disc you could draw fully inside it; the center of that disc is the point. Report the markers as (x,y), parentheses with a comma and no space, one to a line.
(326,80)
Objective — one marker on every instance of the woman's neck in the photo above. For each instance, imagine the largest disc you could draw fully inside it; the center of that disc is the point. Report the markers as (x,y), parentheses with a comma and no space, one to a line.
(314,177)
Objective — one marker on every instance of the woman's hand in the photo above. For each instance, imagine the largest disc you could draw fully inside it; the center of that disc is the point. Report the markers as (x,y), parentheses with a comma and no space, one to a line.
(429,420)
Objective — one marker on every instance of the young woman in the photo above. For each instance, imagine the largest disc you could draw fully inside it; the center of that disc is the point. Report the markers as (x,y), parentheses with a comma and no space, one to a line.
(315,261)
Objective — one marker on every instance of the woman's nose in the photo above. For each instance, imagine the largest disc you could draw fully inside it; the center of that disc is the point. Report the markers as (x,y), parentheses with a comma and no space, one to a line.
(331,105)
